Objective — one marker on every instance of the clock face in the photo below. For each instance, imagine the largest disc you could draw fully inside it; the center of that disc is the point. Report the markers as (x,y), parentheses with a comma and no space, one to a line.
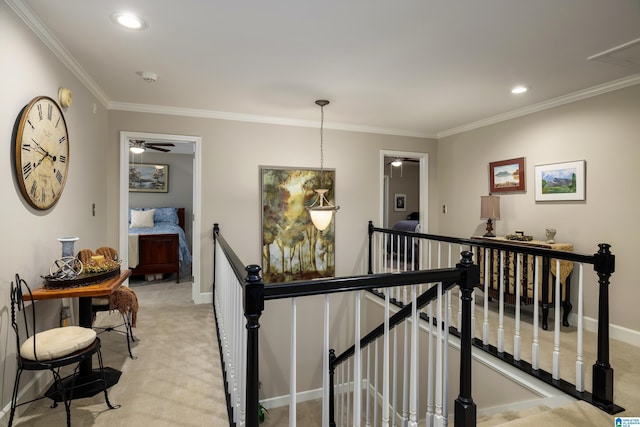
(42,152)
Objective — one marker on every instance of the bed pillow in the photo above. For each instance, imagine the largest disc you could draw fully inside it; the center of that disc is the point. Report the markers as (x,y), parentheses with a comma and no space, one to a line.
(169,215)
(142,219)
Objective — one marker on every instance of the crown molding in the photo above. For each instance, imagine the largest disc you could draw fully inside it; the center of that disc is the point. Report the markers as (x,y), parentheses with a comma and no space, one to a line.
(37,26)
(41,30)
(254,118)
(622,83)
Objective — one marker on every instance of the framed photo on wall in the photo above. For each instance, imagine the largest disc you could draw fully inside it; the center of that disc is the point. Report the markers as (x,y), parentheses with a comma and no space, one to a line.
(292,247)
(560,181)
(400,202)
(506,176)
(148,178)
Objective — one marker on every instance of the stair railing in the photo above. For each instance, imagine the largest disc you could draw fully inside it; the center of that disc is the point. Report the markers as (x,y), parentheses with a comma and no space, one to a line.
(394,251)
(239,291)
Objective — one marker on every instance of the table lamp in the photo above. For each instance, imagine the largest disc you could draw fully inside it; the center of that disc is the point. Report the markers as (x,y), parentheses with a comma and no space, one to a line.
(489,210)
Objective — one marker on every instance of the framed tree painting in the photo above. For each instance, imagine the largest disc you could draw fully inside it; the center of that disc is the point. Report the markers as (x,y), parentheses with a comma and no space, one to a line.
(148,178)
(506,175)
(292,248)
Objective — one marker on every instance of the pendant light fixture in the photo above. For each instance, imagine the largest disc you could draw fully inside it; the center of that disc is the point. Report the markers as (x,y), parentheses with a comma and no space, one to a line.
(321,211)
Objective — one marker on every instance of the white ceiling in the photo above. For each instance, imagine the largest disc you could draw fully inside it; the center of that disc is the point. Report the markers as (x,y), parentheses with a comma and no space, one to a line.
(408,67)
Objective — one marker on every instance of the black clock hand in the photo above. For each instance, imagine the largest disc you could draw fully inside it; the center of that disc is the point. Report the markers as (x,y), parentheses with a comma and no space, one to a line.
(39,147)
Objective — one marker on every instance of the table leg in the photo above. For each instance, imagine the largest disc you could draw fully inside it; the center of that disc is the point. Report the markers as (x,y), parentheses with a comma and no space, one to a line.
(86,321)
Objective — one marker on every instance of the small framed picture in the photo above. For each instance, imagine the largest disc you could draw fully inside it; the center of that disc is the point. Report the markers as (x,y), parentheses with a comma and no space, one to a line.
(400,204)
(560,181)
(506,176)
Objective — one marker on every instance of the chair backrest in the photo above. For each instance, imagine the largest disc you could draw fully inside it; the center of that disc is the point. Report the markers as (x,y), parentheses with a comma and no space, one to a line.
(17,303)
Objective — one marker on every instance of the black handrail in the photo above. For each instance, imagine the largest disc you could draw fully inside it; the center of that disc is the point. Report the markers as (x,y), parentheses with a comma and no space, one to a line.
(603,264)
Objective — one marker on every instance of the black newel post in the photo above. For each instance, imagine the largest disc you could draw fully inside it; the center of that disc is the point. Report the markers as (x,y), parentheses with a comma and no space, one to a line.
(216,230)
(332,370)
(370,247)
(253,307)
(602,371)
(465,408)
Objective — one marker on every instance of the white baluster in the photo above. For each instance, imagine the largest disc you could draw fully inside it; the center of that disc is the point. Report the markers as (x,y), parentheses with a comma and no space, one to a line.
(556,332)
(349,390)
(485,321)
(325,364)
(368,395)
(413,394)
(375,383)
(357,367)
(445,369)
(385,364)
(439,361)
(292,366)
(579,361)
(430,359)
(405,369)
(535,346)
(394,387)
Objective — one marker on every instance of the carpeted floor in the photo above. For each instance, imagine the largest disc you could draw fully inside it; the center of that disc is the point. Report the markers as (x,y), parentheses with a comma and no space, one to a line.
(176,378)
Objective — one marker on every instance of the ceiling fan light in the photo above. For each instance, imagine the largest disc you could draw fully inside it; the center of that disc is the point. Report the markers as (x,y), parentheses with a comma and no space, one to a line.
(396,163)
(136,149)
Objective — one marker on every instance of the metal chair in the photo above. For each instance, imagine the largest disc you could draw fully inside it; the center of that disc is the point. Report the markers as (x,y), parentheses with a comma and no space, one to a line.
(50,350)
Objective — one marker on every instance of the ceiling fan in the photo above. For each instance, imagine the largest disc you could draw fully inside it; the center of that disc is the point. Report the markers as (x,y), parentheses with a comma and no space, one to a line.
(140,145)
(397,161)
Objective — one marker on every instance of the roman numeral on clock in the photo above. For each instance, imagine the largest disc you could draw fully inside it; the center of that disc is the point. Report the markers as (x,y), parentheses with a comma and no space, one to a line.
(59,176)
(26,170)
(34,188)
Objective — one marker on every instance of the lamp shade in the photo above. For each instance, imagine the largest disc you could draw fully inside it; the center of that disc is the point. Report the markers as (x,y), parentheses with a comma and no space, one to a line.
(489,207)
(321,218)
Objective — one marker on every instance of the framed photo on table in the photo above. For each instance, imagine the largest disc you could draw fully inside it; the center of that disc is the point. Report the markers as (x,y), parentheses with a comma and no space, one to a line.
(506,176)
(560,181)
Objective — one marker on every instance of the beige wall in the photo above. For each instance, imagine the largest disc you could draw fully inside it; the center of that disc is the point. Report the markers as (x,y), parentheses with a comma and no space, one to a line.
(29,237)
(232,153)
(602,130)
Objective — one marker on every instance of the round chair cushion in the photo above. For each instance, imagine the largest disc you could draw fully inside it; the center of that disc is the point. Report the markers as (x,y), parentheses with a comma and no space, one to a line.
(58,342)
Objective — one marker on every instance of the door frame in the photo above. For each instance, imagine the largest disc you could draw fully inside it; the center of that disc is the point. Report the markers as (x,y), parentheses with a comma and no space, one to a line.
(423,182)
(196,294)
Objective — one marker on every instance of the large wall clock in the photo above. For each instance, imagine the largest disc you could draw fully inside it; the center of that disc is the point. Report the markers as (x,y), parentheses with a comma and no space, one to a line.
(41,152)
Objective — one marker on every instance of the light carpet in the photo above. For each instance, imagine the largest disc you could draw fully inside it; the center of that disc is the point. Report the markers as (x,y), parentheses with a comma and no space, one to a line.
(176,379)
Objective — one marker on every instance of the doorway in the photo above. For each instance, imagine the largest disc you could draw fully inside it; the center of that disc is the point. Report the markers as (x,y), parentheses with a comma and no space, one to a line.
(388,198)
(183,143)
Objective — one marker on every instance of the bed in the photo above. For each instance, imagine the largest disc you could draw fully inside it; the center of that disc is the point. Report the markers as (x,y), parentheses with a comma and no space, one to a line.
(157,242)
(399,245)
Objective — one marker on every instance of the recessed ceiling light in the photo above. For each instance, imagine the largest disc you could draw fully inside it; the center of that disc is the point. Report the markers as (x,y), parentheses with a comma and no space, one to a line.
(129,20)
(519,89)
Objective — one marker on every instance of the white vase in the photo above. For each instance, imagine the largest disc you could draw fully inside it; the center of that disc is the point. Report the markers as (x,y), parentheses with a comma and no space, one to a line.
(67,245)
(551,233)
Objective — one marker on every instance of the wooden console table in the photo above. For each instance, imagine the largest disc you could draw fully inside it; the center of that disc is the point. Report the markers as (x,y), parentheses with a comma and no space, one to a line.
(546,281)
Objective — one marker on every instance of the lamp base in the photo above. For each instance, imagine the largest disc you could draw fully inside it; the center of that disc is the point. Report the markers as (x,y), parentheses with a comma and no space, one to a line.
(489,232)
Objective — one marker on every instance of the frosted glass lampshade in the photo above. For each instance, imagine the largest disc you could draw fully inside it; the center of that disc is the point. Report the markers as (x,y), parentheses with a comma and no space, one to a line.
(321,218)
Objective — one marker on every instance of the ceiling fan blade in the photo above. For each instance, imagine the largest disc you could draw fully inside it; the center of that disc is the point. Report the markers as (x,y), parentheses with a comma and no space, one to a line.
(151,147)
(161,144)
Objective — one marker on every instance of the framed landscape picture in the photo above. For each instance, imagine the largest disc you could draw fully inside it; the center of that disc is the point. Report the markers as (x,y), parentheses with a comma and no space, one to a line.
(292,247)
(148,178)
(506,175)
(560,181)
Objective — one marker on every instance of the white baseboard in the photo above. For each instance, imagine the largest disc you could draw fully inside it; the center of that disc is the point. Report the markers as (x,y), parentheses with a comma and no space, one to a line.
(33,388)
(303,396)
(203,298)
(619,333)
